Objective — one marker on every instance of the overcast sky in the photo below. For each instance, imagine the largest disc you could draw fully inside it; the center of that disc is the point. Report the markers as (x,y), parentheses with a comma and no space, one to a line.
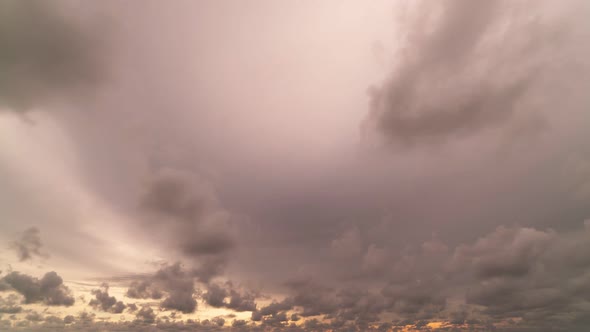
(266,165)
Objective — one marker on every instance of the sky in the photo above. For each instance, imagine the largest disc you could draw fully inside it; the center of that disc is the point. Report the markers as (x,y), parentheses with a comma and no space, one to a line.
(303,166)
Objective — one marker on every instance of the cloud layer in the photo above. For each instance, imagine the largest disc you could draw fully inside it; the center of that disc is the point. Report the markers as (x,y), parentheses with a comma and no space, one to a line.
(216,179)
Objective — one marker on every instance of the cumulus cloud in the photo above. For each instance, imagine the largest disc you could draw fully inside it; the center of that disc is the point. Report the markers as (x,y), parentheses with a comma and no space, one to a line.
(180,287)
(172,283)
(218,296)
(143,289)
(49,290)
(465,68)
(9,305)
(538,277)
(29,245)
(215,296)
(146,315)
(44,56)
(104,302)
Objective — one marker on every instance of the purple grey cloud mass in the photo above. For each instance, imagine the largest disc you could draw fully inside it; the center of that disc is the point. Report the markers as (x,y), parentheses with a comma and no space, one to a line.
(214,166)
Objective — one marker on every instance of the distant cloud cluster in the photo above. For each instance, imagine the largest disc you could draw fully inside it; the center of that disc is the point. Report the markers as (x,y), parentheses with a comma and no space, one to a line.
(48,290)
(537,276)
(103,301)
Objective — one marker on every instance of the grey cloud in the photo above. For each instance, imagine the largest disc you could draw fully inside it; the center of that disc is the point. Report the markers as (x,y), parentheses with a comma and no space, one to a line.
(238,301)
(178,195)
(29,245)
(104,302)
(418,300)
(179,286)
(347,245)
(505,252)
(466,68)
(185,206)
(172,283)
(86,317)
(69,319)
(10,309)
(44,55)
(219,321)
(34,317)
(49,290)
(544,289)
(273,309)
(238,323)
(215,296)
(143,289)
(9,305)
(241,301)
(540,277)
(131,307)
(146,315)
(315,215)
(210,267)
(312,299)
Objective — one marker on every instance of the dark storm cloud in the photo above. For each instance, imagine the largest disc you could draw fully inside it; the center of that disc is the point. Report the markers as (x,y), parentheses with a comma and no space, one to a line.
(465,67)
(186,208)
(49,290)
(44,56)
(103,301)
(311,218)
(538,277)
(29,245)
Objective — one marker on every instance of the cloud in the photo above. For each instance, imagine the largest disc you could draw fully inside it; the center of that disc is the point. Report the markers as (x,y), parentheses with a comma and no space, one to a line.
(215,296)
(131,307)
(104,302)
(212,149)
(9,305)
(238,301)
(465,68)
(348,245)
(44,56)
(219,321)
(171,283)
(143,289)
(538,277)
(180,287)
(146,315)
(50,290)
(29,245)
(506,252)
(186,208)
